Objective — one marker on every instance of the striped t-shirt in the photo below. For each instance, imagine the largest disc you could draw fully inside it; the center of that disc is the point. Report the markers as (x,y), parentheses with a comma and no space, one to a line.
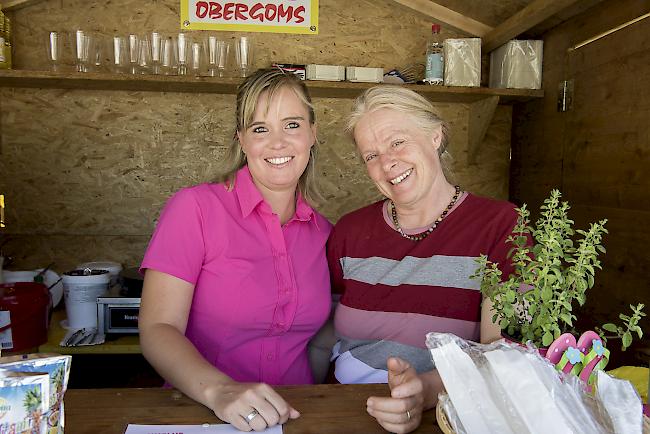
(395,291)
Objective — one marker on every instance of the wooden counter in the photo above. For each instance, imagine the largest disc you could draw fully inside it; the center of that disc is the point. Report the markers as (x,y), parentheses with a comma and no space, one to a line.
(115,344)
(325,409)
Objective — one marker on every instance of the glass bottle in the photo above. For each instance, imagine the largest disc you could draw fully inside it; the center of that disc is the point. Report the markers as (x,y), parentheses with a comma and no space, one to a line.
(433,73)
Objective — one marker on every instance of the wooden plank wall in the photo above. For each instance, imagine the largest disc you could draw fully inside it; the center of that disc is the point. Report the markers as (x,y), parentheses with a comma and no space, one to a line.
(85,173)
(598,153)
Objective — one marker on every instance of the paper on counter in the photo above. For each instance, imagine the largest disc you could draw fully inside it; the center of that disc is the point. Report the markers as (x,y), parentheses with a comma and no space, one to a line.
(193,429)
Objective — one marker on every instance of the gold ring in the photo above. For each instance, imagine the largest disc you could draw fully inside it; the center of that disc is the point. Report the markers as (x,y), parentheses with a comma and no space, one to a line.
(408,415)
(250,416)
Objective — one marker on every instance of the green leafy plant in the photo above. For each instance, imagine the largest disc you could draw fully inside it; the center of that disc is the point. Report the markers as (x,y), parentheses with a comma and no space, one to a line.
(552,272)
(624,332)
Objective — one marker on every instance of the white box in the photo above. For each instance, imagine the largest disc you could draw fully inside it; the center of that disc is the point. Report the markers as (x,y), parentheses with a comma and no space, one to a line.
(325,72)
(462,62)
(365,75)
(517,64)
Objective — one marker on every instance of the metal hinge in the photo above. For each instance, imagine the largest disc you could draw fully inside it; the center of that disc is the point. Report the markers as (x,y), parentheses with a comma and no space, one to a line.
(565,96)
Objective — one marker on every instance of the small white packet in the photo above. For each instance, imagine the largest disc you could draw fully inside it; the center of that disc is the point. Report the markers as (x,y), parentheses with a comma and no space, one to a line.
(622,404)
(468,391)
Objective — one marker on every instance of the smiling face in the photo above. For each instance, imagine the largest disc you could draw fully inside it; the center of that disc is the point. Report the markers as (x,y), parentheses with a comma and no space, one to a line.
(278,141)
(400,157)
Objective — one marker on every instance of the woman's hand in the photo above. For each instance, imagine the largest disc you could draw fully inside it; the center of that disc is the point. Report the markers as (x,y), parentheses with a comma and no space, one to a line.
(402,411)
(233,402)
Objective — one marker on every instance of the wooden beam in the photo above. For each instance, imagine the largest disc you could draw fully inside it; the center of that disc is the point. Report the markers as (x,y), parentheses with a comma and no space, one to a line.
(527,18)
(10,5)
(447,16)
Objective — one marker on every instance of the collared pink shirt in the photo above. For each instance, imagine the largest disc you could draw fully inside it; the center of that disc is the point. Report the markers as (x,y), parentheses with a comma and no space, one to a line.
(262,290)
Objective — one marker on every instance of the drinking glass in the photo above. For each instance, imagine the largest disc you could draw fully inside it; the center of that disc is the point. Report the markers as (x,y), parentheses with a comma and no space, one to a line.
(168,56)
(183,46)
(144,56)
(217,56)
(55,50)
(133,44)
(244,55)
(88,51)
(96,51)
(156,39)
(197,59)
(120,54)
(81,46)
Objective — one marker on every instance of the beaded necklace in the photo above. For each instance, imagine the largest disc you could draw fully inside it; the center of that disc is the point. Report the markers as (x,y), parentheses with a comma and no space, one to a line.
(423,235)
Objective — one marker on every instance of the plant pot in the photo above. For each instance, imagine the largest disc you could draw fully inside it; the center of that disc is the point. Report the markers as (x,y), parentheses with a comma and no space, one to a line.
(542,351)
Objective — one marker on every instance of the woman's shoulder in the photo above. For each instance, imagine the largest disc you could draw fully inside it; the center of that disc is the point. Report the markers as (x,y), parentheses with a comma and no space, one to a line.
(205,190)
(200,196)
(489,205)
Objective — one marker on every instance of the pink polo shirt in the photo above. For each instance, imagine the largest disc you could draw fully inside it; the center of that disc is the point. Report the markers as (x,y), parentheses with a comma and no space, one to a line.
(262,290)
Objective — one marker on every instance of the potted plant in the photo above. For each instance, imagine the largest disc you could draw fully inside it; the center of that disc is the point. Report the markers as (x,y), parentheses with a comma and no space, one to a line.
(552,272)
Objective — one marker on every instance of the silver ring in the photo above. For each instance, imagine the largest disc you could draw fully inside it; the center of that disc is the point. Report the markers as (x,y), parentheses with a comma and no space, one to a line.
(250,416)
(408,415)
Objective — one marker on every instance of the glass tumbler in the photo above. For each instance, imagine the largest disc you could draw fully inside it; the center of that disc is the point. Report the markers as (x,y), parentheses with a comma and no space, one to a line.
(55,50)
(183,54)
(155,40)
(168,56)
(133,42)
(144,56)
(81,47)
(120,55)
(244,55)
(217,56)
(197,59)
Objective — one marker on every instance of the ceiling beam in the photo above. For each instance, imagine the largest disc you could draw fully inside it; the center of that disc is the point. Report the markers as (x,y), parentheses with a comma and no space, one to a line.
(9,5)
(527,18)
(447,16)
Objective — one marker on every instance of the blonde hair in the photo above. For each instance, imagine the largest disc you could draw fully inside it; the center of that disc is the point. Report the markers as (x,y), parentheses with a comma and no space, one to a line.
(410,103)
(269,80)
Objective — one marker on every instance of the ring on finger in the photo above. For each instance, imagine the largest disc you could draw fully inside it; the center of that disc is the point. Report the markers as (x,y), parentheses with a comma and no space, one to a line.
(250,416)
(408,415)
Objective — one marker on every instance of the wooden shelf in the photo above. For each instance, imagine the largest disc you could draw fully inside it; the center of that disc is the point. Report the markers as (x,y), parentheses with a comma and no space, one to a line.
(189,84)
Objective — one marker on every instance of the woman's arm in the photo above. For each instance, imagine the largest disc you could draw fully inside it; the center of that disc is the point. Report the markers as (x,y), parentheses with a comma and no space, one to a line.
(490,331)
(164,312)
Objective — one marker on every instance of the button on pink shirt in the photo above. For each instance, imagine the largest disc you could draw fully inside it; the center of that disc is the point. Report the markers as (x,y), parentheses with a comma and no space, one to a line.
(262,290)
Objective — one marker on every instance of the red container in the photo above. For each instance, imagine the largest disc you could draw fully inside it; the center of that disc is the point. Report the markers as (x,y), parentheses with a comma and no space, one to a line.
(24,315)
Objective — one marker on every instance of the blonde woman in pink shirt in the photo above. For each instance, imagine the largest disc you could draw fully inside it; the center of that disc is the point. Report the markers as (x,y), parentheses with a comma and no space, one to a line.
(236,278)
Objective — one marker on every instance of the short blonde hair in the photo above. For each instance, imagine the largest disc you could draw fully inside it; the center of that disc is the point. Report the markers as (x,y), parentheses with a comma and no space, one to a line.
(269,80)
(408,102)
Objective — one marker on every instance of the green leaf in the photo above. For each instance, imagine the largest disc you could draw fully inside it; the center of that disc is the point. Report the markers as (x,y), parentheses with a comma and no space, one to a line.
(547,339)
(627,340)
(610,327)
(566,318)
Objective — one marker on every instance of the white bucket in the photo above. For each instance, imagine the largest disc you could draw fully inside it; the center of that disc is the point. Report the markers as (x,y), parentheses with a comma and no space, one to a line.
(81,289)
(113,269)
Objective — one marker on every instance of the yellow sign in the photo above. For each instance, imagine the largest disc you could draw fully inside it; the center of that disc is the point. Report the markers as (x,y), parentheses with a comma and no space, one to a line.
(279,16)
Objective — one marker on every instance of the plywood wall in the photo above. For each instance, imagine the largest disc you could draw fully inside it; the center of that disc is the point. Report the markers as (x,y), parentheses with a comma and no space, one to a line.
(85,173)
(598,153)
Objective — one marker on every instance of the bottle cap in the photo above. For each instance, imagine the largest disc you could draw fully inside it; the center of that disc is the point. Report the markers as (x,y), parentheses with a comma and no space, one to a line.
(435,28)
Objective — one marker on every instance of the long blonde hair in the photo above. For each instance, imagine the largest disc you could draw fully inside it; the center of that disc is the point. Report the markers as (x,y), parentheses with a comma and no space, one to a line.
(248,95)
